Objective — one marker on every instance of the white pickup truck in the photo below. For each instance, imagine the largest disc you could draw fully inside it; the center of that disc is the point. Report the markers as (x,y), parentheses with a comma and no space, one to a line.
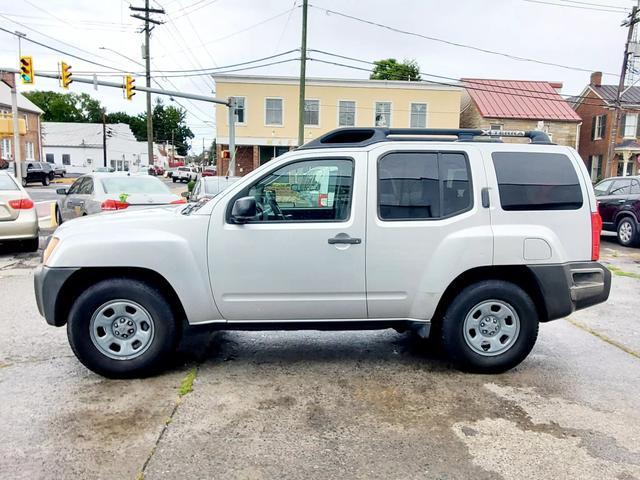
(471,242)
(184,174)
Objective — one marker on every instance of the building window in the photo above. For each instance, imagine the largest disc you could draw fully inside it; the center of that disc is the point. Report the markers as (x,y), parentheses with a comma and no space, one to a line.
(312,112)
(29,150)
(273,111)
(383,114)
(240,110)
(50,158)
(346,113)
(418,115)
(630,125)
(596,167)
(66,159)
(598,126)
(6,149)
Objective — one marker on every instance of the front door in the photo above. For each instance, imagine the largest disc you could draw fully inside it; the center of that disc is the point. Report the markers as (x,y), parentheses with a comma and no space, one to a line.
(303,256)
(73,205)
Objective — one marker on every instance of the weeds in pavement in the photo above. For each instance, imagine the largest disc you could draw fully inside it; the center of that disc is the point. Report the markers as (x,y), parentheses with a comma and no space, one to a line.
(622,273)
(187,382)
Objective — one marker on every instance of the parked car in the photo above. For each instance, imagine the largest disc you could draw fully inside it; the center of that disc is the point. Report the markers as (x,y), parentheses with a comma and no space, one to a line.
(168,173)
(156,170)
(59,170)
(619,205)
(100,192)
(18,216)
(209,187)
(473,242)
(209,171)
(184,174)
(104,170)
(41,172)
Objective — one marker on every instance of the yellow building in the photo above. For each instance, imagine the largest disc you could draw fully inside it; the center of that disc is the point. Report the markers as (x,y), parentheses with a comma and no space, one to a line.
(267,114)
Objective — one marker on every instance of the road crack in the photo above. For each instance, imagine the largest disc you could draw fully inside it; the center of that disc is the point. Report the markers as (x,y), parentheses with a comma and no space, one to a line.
(604,338)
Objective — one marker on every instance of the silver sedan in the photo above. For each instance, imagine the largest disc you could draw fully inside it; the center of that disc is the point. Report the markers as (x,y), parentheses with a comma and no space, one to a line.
(209,187)
(18,217)
(100,192)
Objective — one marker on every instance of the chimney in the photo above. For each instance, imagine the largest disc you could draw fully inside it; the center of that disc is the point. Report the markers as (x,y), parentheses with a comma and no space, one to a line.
(596,79)
(8,78)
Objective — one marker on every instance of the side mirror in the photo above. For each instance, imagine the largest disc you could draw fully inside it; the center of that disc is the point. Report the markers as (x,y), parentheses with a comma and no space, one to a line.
(244,209)
(62,191)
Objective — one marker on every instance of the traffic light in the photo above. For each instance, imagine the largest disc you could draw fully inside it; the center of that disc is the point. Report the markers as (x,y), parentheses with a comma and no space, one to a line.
(129,87)
(65,75)
(26,70)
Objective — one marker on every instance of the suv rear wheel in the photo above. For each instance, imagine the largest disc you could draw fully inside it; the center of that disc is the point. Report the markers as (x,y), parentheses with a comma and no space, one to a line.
(627,232)
(122,328)
(490,327)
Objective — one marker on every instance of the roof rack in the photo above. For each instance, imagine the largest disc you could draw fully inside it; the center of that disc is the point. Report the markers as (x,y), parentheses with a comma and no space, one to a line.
(361,137)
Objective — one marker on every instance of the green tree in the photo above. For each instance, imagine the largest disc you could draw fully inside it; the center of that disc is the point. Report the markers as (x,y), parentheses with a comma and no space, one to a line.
(66,107)
(169,125)
(390,69)
(137,123)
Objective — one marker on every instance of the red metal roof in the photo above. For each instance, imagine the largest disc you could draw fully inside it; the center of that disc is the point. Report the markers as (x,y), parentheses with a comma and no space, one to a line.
(531,100)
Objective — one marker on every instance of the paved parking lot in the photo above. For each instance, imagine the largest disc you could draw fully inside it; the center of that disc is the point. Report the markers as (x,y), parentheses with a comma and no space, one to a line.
(325,405)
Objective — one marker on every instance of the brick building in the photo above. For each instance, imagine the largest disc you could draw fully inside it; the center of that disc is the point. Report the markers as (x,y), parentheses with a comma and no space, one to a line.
(519,105)
(29,125)
(595,107)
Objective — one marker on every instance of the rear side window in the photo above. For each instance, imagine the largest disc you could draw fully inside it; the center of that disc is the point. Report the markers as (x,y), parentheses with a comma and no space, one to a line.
(7,183)
(536,181)
(635,187)
(423,185)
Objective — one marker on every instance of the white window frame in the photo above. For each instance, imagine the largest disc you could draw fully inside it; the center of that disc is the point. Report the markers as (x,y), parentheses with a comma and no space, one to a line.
(355,113)
(635,126)
(279,125)
(597,128)
(245,111)
(6,150)
(312,125)
(29,151)
(375,111)
(594,172)
(426,113)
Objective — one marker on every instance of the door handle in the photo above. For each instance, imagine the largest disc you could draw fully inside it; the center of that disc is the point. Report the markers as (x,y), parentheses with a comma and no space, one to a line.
(621,201)
(344,240)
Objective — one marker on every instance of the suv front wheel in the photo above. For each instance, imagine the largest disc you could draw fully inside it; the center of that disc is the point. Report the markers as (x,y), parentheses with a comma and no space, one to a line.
(627,232)
(490,327)
(122,328)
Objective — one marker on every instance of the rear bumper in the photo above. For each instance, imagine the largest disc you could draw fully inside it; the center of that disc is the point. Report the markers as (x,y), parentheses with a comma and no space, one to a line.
(571,286)
(48,283)
(25,226)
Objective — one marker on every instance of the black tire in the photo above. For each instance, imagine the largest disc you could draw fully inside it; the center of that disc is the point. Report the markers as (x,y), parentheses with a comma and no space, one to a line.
(62,175)
(630,237)
(453,336)
(31,245)
(59,219)
(165,336)
(46,180)
(174,180)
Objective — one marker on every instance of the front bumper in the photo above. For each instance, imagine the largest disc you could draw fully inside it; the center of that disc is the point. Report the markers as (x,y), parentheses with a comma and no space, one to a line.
(571,286)
(48,285)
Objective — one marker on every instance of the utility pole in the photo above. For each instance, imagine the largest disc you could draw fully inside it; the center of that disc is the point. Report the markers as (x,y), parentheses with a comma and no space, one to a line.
(104,139)
(147,57)
(16,132)
(303,73)
(618,101)
(231,171)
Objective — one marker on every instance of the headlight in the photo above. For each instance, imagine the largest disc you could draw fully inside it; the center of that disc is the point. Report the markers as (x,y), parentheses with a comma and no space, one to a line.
(53,243)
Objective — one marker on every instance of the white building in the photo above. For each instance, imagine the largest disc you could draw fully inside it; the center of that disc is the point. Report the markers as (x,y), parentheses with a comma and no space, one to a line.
(78,146)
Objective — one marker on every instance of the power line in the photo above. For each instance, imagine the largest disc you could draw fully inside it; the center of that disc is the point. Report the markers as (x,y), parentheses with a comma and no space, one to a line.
(451,43)
(581,7)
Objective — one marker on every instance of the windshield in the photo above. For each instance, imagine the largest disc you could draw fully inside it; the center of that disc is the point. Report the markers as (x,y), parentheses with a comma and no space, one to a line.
(134,185)
(7,183)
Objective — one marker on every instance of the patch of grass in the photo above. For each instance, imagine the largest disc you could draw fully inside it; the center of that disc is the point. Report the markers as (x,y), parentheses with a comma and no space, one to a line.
(622,273)
(186,386)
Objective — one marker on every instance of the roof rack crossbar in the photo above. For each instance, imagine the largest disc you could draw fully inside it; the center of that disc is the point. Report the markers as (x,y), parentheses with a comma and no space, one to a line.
(359,137)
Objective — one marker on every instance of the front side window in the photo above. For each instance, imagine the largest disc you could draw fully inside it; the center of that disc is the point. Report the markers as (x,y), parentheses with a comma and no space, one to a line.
(602,188)
(383,114)
(536,181)
(86,187)
(240,109)
(76,186)
(273,111)
(631,125)
(66,159)
(305,191)
(312,112)
(418,115)
(346,113)
(621,187)
(423,185)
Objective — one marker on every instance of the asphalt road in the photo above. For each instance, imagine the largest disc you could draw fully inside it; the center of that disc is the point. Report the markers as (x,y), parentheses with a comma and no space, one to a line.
(326,405)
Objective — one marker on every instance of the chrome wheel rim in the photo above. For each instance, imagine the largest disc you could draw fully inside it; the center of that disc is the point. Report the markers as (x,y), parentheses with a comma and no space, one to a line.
(625,231)
(122,329)
(491,327)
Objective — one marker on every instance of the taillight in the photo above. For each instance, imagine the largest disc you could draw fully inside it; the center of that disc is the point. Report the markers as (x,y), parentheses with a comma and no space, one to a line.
(596,230)
(21,204)
(180,200)
(113,205)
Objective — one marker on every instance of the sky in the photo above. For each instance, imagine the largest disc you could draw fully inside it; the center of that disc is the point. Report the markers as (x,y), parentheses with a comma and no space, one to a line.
(209,34)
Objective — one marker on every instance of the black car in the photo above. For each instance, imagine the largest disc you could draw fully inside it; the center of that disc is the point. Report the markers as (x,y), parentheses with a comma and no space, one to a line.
(619,206)
(41,172)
